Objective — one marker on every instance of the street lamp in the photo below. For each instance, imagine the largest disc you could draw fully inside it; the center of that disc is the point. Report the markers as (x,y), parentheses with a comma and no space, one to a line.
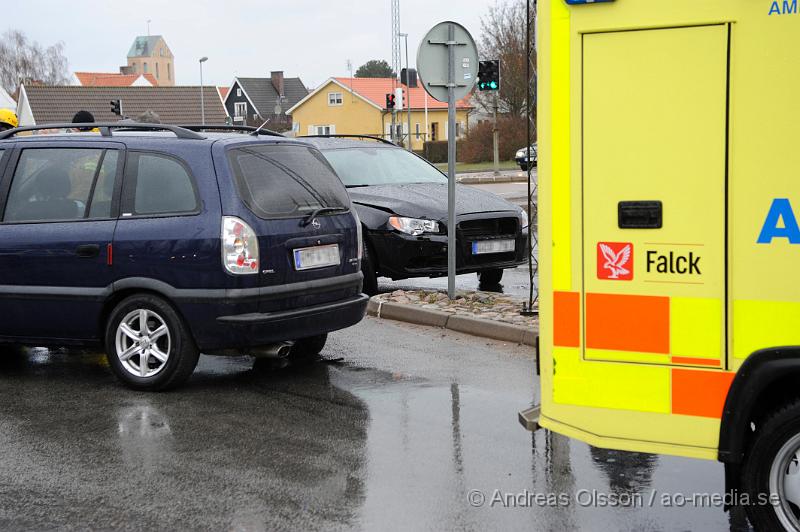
(202,101)
(408,91)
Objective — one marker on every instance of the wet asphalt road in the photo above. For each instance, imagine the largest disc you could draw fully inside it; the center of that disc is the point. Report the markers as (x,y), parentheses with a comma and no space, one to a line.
(395,435)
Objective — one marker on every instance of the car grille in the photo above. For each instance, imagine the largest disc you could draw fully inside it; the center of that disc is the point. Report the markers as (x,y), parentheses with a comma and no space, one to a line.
(488,227)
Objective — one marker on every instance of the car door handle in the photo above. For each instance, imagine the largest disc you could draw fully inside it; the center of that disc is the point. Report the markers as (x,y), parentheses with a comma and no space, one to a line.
(88,251)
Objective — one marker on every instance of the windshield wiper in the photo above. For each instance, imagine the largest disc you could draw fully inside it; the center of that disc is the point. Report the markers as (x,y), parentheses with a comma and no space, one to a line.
(316,212)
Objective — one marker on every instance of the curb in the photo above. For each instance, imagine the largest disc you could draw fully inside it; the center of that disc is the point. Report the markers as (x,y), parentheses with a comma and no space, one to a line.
(495,330)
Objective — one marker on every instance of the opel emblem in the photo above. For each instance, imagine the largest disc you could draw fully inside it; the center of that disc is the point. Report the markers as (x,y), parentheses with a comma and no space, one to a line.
(315,224)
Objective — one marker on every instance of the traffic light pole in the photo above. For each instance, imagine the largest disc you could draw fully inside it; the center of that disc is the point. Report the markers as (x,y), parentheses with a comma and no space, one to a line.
(496,139)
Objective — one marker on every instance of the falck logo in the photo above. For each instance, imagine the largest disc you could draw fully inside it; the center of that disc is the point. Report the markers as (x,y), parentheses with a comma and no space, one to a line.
(315,224)
(615,261)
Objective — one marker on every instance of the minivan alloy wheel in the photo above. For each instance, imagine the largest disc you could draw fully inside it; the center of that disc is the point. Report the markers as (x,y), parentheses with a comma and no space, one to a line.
(784,481)
(143,343)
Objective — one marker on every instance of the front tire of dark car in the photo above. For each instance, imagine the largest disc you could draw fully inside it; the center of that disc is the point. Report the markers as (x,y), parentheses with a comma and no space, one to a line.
(148,345)
(368,268)
(490,278)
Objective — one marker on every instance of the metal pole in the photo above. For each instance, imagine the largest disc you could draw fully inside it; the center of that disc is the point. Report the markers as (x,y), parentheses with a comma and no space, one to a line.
(408,88)
(451,162)
(496,139)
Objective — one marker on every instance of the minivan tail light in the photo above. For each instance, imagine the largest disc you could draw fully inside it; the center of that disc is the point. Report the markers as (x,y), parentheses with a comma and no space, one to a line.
(239,247)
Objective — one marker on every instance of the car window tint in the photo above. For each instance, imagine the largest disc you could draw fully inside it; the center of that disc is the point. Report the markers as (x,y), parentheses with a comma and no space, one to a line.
(381,166)
(104,189)
(52,184)
(161,185)
(283,180)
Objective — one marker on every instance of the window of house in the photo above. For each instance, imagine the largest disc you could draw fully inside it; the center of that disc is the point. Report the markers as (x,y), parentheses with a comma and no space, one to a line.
(156,70)
(56,184)
(458,129)
(323,130)
(335,98)
(169,71)
(238,92)
(145,67)
(135,67)
(417,132)
(240,109)
(157,184)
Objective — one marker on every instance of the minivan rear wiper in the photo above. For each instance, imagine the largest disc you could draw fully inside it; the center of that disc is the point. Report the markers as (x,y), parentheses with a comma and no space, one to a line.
(316,212)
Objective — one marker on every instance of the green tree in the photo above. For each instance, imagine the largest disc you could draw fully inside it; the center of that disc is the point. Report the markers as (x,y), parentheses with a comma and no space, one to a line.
(375,68)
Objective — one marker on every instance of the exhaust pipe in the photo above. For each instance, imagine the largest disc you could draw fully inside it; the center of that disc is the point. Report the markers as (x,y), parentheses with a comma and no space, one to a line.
(278,350)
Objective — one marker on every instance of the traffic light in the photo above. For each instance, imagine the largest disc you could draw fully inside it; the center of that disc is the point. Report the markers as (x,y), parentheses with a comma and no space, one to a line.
(116,107)
(408,77)
(489,75)
(390,101)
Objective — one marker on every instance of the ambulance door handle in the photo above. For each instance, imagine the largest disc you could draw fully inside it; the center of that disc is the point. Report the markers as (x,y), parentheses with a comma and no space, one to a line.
(640,215)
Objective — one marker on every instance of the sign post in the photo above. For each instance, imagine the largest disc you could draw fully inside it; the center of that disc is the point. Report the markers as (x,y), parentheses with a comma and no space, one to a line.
(447,62)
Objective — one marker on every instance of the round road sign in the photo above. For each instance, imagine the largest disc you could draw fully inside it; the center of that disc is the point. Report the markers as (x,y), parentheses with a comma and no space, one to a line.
(433,58)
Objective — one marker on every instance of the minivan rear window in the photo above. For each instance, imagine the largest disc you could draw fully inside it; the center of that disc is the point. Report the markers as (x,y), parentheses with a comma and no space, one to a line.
(284,180)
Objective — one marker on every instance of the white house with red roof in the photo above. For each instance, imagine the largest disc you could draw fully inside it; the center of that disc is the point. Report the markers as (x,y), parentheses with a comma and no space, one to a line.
(358,106)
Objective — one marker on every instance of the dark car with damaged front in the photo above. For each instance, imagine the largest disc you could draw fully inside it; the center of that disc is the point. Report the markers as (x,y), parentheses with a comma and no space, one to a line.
(401,200)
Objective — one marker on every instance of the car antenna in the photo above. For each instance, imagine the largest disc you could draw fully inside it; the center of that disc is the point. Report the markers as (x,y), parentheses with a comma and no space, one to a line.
(257,131)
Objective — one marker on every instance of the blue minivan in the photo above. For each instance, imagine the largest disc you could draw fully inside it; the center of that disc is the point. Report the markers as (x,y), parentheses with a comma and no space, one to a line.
(160,242)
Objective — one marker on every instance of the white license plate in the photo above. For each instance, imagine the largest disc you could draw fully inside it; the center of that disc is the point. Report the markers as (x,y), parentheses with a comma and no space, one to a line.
(484,247)
(316,257)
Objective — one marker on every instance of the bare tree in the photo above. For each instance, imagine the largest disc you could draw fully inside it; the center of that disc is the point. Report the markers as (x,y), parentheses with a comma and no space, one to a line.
(503,32)
(24,60)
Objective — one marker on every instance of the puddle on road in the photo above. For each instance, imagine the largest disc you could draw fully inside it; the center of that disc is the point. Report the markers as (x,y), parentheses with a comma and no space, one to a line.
(338,444)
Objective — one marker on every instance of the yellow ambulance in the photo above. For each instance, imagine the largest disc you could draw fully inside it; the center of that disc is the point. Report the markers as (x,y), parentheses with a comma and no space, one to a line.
(669,173)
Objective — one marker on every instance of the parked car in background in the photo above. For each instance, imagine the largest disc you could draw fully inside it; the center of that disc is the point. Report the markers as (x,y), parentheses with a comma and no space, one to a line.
(160,245)
(522,158)
(401,200)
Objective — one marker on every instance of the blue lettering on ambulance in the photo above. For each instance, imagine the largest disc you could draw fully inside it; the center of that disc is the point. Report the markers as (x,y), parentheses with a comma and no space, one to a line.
(780,223)
(783,8)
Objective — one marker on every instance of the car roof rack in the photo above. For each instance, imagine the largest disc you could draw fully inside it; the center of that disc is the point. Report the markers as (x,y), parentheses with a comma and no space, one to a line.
(226,127)
(366,137)
(106,128)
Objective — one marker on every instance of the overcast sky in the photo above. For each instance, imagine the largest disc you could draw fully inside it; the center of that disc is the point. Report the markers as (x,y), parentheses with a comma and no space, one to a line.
(312,39)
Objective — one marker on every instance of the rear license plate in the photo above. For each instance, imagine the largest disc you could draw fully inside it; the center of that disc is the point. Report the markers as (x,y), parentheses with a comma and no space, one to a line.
(484,247)
(316,257)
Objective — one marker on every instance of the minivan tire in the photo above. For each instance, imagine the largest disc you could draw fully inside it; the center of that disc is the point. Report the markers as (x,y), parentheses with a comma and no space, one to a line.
(309,348)
(174,340)
(775,447)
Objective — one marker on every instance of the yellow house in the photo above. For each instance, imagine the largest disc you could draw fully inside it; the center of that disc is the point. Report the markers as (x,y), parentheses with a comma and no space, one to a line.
(357,106)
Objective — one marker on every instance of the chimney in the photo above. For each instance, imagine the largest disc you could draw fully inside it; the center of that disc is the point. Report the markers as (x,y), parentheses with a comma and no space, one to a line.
(277,82)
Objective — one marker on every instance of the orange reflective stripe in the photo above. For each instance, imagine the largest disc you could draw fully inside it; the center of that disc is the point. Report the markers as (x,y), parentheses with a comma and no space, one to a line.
(689,361)
(700,393)
(627,323)
(566,319)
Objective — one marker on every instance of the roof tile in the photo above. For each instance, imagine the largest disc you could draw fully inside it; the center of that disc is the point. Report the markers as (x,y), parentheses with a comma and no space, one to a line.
(174,105)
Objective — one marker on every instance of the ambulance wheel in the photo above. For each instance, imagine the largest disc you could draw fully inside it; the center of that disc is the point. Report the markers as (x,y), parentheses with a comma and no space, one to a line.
(490,278)
(771,472)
